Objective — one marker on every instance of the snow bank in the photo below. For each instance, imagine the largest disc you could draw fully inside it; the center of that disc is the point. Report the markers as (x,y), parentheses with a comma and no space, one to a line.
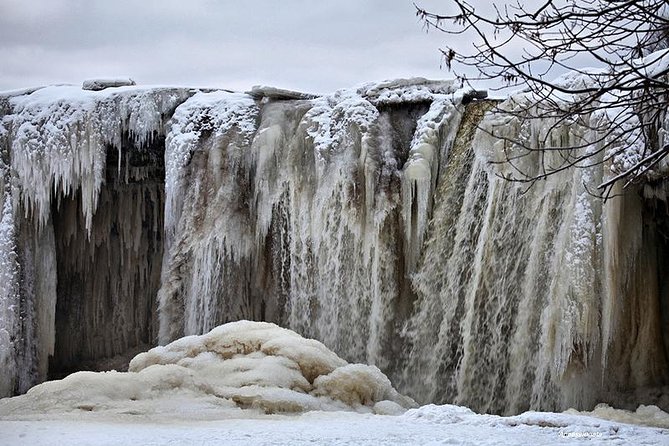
(427,425)
(237,365)
(569,427)
(644,415)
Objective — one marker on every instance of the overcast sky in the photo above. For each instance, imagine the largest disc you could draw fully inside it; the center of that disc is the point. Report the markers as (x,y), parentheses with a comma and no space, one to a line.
(314,46)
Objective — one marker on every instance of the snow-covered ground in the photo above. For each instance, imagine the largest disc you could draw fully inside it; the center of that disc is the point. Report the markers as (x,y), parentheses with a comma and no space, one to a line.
(426,425)
(256,383)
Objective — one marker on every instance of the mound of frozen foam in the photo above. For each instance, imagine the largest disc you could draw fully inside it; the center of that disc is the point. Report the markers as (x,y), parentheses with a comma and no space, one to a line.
(237,365)
(643,415)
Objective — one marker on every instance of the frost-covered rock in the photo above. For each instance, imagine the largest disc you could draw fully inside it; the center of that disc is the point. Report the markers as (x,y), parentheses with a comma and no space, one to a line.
(237,365)
(644,415)
(263,91)
(415,89)
(602,424)
(101,84)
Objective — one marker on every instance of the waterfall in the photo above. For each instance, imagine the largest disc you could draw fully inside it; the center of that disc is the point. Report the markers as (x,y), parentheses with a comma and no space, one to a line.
(521,288)
(374,219)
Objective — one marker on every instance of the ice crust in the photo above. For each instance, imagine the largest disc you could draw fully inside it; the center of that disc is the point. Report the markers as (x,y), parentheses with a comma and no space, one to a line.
(331,428)
(241,364)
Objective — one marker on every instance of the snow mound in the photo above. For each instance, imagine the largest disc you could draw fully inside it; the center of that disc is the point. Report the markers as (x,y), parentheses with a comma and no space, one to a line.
(242,364)
(568,426)
(644,415)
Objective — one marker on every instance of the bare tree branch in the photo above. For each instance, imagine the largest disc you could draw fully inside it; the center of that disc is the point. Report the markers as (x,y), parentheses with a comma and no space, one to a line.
(624,103)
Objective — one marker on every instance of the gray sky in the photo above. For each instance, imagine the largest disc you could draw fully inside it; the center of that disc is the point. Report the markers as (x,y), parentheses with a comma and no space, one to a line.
(314,45)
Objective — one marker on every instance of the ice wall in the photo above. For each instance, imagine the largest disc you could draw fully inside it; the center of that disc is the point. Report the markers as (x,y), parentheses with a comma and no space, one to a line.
(371,219)
(366,220)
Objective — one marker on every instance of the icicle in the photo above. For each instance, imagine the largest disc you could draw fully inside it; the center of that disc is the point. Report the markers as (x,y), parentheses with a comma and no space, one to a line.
(419,179)
(56,141)
(301,225)
(60,135)
(9,292)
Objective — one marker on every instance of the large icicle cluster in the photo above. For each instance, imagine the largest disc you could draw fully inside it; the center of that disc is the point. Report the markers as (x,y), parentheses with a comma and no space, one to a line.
(59,137)
(290,210)
(9,266)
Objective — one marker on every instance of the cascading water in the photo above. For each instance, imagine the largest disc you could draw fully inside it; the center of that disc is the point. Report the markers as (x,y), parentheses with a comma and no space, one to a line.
(504,285)
(519,285)
(371,219)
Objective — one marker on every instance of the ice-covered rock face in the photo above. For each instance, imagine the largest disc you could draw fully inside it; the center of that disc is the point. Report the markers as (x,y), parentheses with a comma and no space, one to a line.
(59,135)
(242,364)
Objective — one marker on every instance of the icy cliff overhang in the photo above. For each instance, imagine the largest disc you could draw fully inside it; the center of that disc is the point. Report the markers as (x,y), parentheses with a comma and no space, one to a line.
(58,135)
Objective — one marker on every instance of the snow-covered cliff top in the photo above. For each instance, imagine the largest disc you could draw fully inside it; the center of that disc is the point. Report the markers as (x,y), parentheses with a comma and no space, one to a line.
(59,134)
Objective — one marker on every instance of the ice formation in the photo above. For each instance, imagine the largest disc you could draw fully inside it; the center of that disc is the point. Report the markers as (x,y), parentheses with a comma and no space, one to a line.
(370,219)
(241,364)
(311,193)
(70,216)
(643,415)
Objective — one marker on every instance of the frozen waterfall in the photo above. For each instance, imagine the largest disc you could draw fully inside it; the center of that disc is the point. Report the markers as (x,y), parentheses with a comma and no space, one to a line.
(371,219)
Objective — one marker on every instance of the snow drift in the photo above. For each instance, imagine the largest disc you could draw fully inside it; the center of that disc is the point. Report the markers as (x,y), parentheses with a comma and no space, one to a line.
(242,364)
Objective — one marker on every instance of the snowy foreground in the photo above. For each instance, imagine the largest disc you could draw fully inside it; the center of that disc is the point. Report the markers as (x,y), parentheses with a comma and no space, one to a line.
(426,425)
(256,383)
